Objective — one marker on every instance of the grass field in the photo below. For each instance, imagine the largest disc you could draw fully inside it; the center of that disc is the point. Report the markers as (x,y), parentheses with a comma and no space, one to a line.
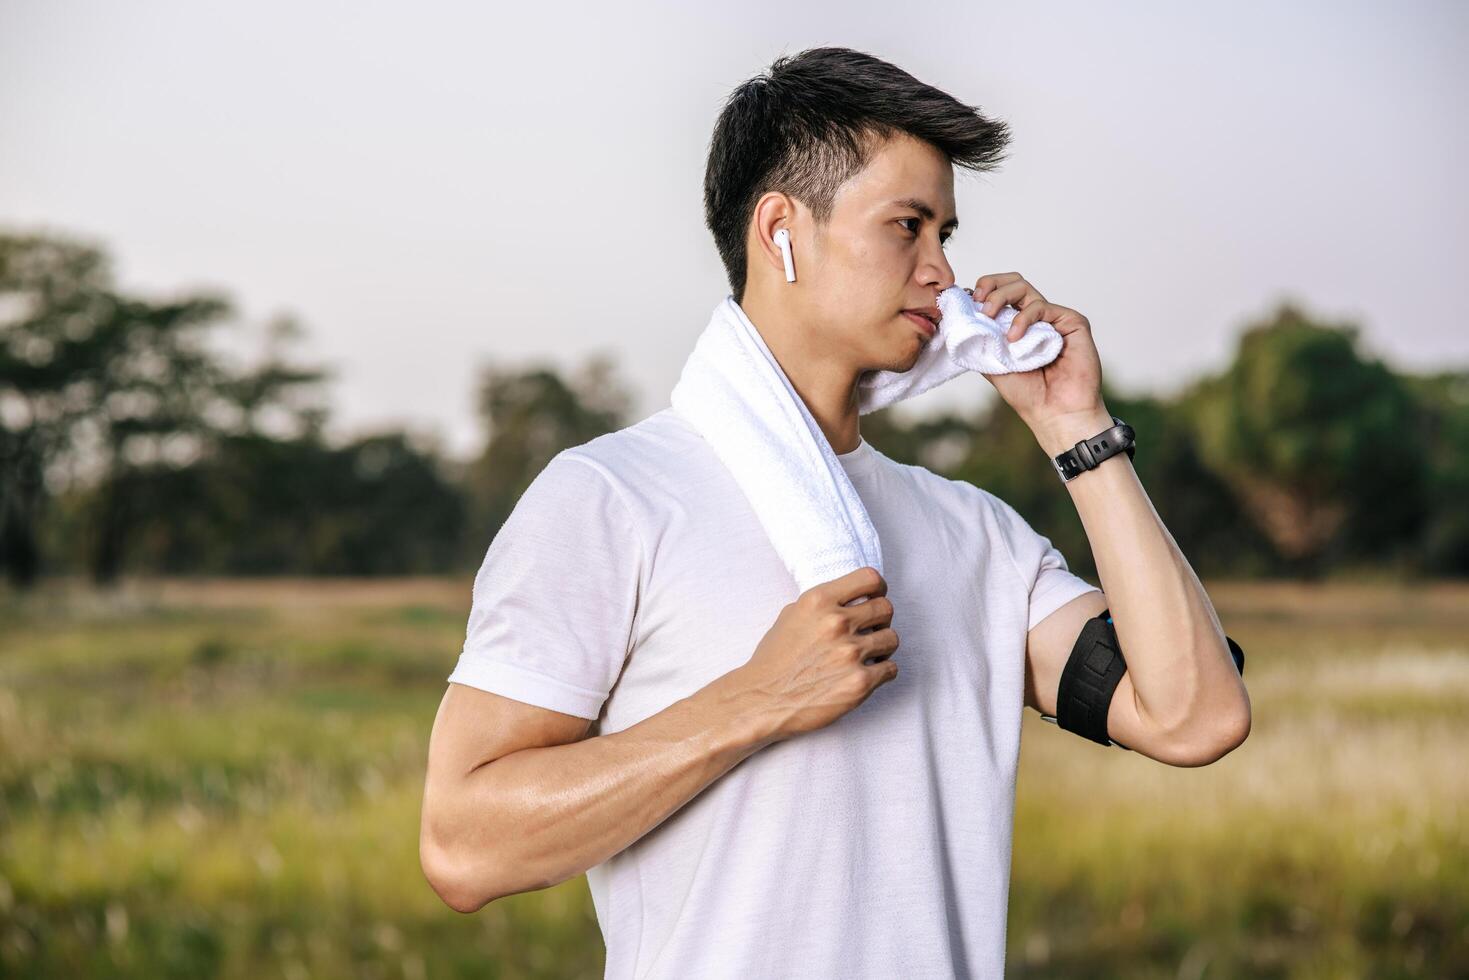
(223,779)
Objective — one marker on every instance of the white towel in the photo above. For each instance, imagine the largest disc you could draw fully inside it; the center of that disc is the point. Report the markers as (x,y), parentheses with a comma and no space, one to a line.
(967,340)
(733,391)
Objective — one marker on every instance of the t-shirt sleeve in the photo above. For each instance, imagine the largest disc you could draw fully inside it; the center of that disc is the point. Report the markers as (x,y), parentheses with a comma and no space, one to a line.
(1042,567)
(552,614)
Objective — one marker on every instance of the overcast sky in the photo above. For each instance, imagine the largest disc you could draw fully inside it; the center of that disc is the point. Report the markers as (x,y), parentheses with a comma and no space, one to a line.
(428,186)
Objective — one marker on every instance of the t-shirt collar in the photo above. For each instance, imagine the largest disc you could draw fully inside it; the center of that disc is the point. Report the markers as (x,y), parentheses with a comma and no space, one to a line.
(859,460)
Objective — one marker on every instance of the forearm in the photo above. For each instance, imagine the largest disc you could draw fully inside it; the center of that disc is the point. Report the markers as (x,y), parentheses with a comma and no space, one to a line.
(1183,677)
(540,816)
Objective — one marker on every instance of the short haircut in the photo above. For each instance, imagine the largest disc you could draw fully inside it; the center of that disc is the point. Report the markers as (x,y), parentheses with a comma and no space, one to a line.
(811,122)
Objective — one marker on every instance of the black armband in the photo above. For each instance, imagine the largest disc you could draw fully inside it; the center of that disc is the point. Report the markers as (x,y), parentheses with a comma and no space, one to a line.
(1091,676)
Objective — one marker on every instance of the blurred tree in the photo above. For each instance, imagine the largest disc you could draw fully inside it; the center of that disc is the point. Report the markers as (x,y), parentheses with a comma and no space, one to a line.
(100,389)
(530,416)
(259,505)
(52,296)
(1444,400)
(1314,440)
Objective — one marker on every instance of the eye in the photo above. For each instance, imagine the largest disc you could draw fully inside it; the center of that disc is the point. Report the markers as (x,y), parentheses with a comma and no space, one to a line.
(943,242)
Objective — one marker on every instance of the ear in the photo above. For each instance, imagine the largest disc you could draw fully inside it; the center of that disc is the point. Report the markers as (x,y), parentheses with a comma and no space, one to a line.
(773,211)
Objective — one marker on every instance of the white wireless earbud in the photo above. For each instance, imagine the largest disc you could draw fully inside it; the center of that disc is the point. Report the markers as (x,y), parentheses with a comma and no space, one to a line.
(783,242)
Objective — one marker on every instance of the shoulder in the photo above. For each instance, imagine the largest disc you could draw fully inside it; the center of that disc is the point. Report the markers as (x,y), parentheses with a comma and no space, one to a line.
(648,465)
(589,499)
(660,453)
(638,445)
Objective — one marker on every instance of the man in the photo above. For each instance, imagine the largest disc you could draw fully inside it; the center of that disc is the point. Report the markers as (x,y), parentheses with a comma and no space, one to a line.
(750,804)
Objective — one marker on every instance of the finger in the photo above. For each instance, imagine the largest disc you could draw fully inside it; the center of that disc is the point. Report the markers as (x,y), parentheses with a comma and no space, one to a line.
(865,581)
(879,643)
(877,611)
(1033,309)
(984,284)
(1063,318)
(1010,294)
(881,671)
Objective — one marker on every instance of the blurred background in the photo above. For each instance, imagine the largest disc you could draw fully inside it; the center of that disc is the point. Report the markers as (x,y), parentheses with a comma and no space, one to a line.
(295,300)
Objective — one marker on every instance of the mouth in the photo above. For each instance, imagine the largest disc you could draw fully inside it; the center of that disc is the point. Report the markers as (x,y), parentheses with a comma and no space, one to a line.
(926,321)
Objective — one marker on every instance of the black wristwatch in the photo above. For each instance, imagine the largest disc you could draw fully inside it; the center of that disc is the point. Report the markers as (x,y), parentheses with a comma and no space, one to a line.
(1085,455)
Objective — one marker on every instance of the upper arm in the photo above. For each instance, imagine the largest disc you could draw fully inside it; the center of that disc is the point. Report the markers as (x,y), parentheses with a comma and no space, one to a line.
(474,728)
(1048,646)
(549,629)
(1060,603)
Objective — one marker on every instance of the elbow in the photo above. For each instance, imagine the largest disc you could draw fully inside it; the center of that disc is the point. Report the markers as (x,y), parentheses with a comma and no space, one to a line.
(1237,732)
(1234,733)
(1206,746)
(1217,723)
(445,872)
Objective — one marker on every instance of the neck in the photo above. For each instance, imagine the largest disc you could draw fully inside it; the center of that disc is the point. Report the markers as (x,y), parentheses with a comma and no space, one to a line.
(825,383)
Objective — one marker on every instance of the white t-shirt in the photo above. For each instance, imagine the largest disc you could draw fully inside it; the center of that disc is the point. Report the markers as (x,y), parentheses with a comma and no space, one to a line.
(633,572)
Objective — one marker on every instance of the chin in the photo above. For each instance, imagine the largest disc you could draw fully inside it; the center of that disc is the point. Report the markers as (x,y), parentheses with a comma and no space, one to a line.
(918,346)
(901,364)
(901,356)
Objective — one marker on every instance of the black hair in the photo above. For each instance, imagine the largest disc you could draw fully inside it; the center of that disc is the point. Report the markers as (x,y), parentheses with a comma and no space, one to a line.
(811,122)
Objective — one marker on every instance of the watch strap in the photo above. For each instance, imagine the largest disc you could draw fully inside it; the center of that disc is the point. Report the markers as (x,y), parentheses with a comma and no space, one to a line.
(1089,453)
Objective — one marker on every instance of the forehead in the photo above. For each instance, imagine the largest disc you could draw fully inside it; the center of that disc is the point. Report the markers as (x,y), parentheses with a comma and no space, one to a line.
(903,174)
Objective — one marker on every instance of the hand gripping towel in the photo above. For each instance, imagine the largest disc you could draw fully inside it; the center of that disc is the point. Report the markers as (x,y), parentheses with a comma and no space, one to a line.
(734,392)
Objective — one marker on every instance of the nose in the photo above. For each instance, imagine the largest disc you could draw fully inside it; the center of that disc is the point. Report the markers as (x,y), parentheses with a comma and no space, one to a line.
(945,274)
(942,282)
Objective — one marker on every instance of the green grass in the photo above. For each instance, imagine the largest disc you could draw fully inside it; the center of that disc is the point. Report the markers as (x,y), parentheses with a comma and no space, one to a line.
(223,779)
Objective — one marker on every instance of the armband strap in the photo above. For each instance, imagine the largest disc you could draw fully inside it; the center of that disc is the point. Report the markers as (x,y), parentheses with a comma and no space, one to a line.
(1089,680)
(1091,676)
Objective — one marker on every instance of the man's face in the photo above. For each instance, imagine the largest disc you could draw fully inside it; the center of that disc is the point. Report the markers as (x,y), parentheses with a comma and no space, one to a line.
(877,257)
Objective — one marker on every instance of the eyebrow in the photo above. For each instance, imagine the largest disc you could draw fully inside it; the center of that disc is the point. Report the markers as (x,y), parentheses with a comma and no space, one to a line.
(922,208)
